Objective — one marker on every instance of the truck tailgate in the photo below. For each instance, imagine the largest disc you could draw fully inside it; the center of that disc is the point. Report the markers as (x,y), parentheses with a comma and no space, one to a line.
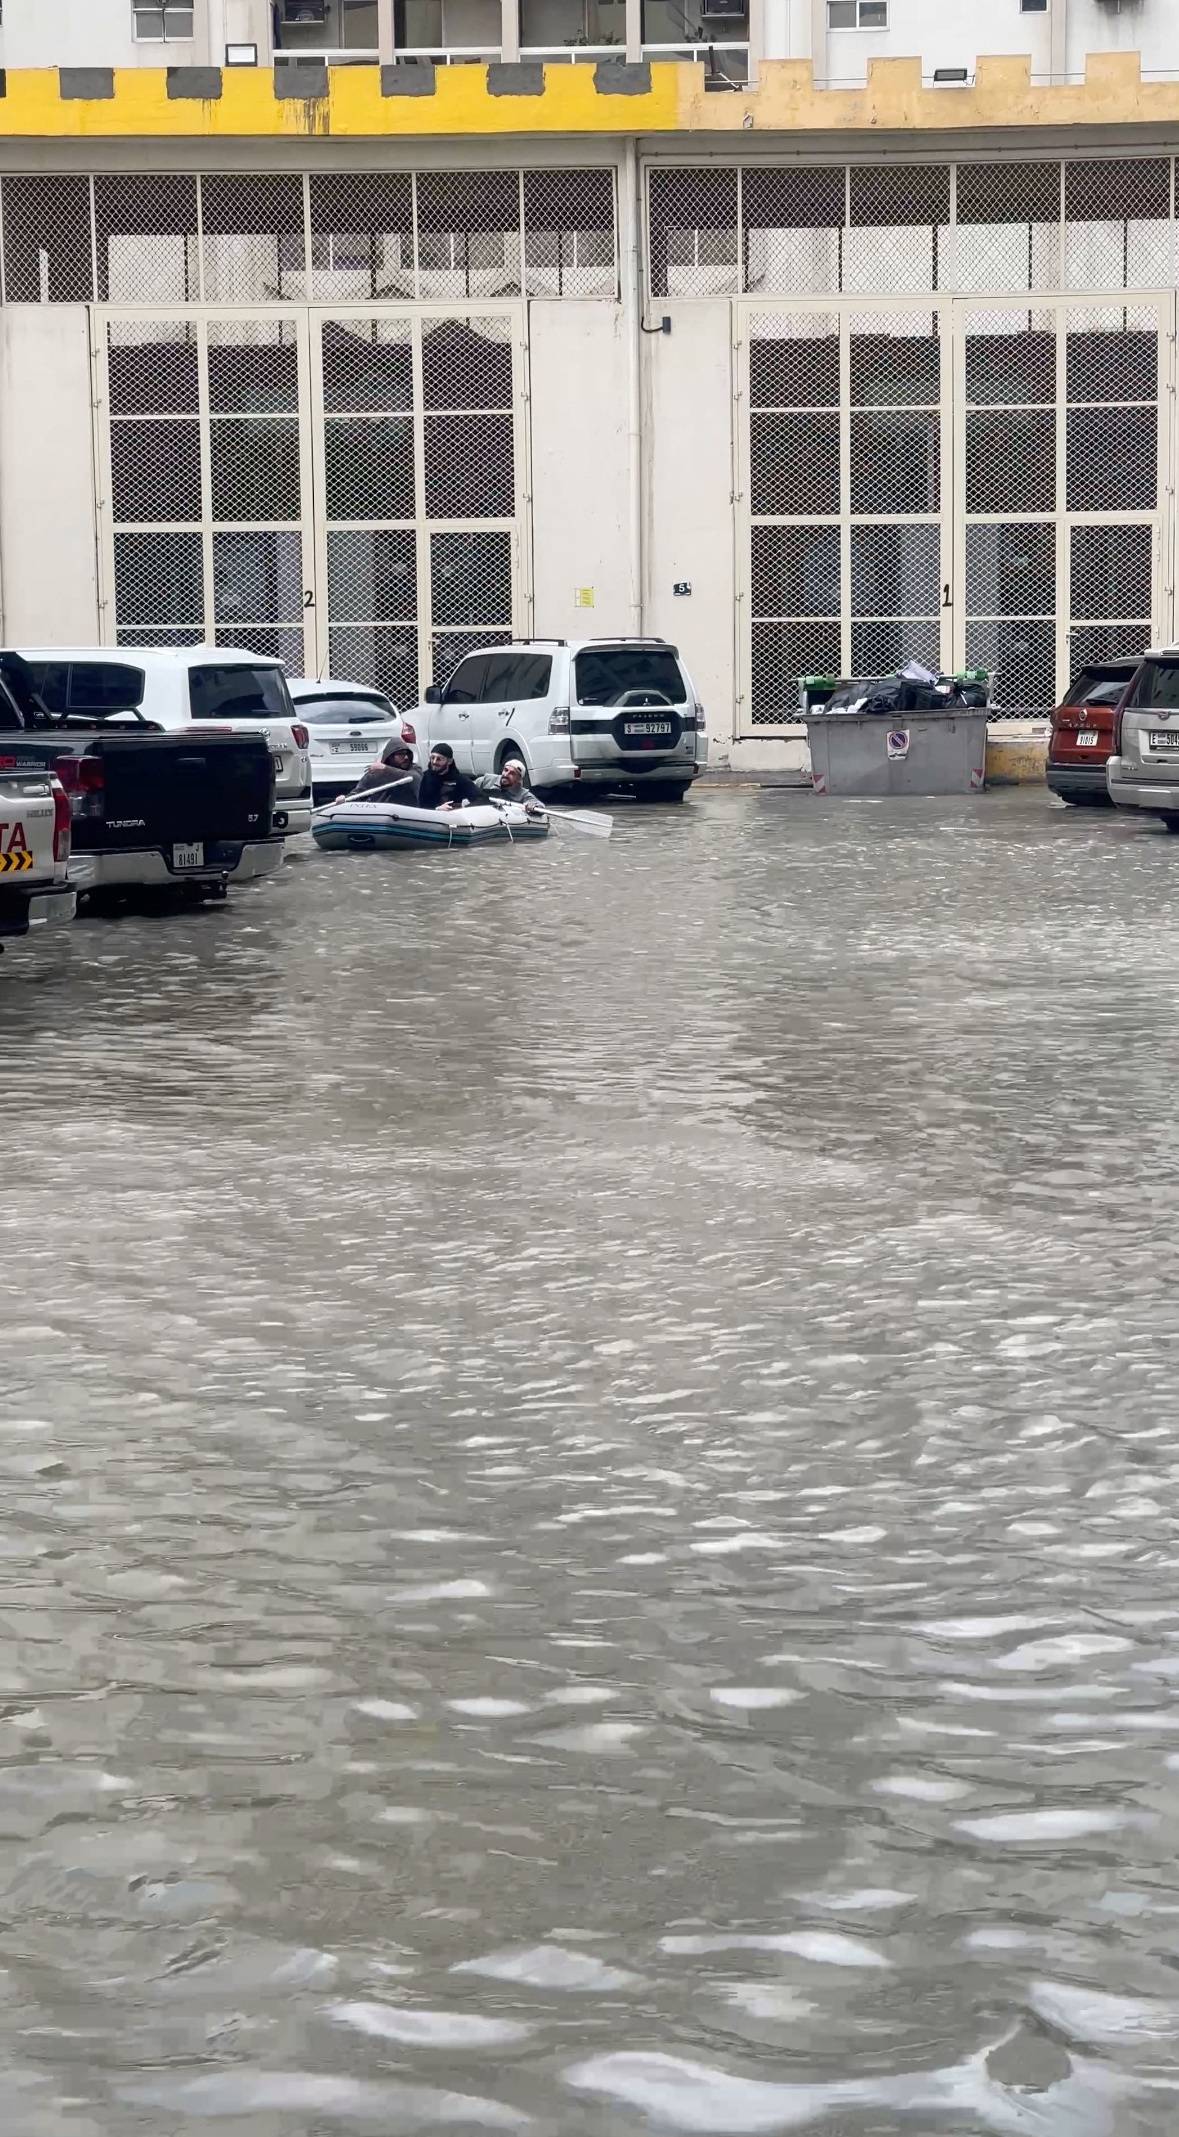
(164,790)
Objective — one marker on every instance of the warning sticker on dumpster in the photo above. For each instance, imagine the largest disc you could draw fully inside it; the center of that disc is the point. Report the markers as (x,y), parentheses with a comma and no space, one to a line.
(898,742)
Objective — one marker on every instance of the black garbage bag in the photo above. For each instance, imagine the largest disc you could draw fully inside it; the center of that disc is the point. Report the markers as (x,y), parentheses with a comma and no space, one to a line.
(909,689)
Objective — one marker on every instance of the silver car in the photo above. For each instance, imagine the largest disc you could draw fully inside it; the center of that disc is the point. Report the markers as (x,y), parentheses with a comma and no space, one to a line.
(1143,773)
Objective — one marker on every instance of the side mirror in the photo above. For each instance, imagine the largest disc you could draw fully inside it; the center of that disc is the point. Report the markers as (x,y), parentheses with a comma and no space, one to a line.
(433,695)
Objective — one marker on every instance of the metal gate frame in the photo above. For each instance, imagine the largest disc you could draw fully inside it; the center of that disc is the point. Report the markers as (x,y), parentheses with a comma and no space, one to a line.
(518,526)
(307,321)
(953,315)
(1161,519)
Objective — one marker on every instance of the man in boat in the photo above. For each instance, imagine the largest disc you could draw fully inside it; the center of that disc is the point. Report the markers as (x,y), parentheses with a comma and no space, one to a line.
(442,785)
(394,774)
(510,785)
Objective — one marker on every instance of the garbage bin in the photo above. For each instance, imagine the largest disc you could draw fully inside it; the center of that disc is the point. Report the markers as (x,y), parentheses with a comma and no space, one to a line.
(912,753)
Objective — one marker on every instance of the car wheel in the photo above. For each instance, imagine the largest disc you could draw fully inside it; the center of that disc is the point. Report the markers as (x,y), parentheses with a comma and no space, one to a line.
(1085,801)
(662,790)
(1171,823)
(513,756)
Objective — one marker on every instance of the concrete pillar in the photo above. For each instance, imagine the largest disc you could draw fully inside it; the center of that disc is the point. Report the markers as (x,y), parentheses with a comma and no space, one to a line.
(818,51)
(634,31)
(509,30)
(386,36)
(1058,39)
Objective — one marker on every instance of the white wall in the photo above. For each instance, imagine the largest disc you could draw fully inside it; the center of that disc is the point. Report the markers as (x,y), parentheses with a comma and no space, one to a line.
(941,36)
(1151,27)
(687,503)
(48,567)
(98,33)
(578,373)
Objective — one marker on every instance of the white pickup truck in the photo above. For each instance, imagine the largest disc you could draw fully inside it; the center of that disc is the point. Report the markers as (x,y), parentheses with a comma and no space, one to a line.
(34,843)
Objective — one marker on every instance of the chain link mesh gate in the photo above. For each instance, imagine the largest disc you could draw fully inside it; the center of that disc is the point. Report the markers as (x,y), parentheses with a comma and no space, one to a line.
(205,499)
(1063,436)
(844,535)
(420,442)
(344,492)
(965,484)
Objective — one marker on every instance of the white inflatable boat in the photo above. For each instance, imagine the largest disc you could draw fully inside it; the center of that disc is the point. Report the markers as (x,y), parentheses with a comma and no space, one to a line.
(369,823)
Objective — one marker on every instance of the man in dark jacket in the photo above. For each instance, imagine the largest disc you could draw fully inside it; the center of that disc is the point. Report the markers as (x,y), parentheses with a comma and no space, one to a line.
(442,785)
(394,774)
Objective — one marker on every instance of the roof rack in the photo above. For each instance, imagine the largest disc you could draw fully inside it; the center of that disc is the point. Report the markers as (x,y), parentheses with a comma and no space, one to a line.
(538,640)
(622,638)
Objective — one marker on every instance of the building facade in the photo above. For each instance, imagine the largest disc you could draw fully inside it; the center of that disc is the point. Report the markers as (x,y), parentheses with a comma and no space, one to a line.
(363,363)
(840,38)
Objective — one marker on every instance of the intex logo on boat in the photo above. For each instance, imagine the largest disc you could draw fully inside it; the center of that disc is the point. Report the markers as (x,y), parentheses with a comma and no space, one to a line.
(126,823)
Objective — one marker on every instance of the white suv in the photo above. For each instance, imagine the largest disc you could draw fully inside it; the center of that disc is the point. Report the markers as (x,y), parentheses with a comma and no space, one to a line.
(618,713)
(173,687)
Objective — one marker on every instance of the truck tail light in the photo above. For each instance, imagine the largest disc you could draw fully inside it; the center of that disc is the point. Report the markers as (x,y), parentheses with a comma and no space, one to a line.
(62,822)
(301,734)
(409,732)
(559,720)
(84,781)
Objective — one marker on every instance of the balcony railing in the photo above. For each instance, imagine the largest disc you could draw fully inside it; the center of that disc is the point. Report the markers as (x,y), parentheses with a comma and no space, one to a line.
(327,56)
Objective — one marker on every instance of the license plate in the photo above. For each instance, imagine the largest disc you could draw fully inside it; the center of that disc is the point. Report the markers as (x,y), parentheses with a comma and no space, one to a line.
(191,856)
(1088,739)
(345,749)
(646,727)
(1165,738)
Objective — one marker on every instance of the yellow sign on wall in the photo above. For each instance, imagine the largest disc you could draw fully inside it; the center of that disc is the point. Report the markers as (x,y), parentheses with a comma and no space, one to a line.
(583,597)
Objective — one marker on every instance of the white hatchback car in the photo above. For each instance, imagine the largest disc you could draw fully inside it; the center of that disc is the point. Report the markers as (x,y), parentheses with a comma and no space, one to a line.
(349,724)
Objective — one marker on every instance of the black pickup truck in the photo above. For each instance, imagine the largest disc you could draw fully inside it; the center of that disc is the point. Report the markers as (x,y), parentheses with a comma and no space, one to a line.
(184,813)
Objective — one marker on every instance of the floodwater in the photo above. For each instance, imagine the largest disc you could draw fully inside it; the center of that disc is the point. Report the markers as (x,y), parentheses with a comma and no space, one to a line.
(588,1457)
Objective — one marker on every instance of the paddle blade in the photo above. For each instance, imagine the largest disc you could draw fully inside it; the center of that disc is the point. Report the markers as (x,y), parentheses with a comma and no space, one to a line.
(593,821)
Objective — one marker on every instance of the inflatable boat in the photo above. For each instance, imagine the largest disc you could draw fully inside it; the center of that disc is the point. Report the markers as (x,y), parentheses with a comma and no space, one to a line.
(369,824)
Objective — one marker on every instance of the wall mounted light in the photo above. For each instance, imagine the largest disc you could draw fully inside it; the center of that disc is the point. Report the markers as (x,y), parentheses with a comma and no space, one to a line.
(241,55)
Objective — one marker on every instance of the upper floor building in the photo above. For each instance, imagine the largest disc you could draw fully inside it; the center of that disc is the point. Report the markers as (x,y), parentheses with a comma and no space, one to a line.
(728,37)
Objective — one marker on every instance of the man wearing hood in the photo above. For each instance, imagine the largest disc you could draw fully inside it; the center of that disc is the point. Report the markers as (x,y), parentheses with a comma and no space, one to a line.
(394,774)
(442,785)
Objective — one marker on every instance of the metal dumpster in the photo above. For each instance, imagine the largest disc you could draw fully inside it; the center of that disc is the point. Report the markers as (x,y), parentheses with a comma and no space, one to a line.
(911,753)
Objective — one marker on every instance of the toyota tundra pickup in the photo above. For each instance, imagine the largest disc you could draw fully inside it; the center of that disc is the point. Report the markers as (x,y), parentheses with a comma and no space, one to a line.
(184,813)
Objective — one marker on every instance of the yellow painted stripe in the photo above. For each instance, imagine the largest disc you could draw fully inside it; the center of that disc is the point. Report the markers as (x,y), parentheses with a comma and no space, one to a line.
(354,107)
(785,100)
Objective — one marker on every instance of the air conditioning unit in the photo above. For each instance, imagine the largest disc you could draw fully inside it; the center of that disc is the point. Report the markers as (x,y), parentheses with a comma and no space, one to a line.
(722,11)
(291,12)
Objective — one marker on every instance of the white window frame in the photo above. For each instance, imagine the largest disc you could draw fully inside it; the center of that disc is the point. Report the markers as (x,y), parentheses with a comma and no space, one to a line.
(139,8)
(859,24)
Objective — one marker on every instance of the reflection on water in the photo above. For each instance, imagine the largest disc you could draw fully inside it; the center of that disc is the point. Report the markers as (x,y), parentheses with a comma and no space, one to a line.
(589,1463)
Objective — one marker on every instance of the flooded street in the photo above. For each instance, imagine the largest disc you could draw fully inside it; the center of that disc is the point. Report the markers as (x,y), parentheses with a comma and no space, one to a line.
(589,1466)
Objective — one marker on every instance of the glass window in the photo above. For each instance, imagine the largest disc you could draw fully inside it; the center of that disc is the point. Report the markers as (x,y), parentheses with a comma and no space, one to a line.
(515,675)
(239,692)
(1033,7)
(104,686)
(343,711)
(603,674)
(162,22)
(1158,684)
(466,684)
(857,14)
(533,674)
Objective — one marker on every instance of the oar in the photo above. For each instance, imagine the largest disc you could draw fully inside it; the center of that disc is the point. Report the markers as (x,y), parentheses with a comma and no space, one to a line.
(596,822)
